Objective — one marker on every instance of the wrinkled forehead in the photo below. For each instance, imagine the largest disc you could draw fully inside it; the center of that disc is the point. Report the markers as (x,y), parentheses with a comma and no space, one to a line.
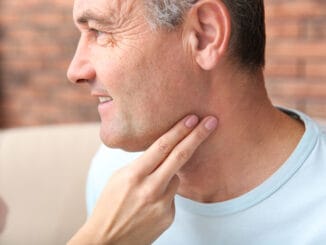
(109,7)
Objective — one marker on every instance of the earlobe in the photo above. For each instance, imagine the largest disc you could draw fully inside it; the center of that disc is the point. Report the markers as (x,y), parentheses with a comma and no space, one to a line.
(207,59)
(209,25)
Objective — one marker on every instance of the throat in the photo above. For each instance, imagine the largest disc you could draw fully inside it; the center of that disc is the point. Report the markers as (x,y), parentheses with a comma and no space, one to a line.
(231,163)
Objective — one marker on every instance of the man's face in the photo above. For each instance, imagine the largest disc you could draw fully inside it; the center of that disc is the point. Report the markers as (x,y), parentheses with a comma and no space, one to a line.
(145,73)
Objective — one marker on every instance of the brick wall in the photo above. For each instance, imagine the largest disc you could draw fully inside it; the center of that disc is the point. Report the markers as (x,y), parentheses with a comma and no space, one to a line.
(37,41)
(296,54)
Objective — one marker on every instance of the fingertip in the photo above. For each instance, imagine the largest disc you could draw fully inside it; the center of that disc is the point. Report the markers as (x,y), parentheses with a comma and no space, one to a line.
(211,123)
(191,121)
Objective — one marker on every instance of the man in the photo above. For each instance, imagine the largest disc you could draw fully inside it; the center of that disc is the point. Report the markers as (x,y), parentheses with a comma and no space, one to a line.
(182,80)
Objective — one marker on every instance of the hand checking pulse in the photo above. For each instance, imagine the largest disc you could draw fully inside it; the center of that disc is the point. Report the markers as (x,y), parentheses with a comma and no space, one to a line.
(137,204)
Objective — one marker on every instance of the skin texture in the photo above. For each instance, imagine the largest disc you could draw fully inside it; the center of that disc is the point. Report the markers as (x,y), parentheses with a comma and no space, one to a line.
(156,78)
(133,66)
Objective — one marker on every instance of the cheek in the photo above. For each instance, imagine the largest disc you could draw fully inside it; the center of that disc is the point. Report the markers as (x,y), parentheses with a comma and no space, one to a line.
(110,70)
(148,84)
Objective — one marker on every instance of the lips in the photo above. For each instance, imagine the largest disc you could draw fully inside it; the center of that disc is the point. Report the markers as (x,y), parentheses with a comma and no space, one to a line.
(102,95)
(105,105)
(104,99)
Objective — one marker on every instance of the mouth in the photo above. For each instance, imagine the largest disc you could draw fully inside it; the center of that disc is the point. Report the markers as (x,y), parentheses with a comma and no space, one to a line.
(104,99)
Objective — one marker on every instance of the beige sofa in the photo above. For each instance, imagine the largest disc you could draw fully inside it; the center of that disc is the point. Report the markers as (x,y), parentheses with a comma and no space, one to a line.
(42,181)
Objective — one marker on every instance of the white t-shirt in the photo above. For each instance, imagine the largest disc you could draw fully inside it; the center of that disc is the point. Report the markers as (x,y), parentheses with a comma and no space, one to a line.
(288,208)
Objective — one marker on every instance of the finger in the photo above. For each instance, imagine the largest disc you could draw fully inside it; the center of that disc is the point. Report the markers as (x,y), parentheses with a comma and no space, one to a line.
(162,147)
(184,150)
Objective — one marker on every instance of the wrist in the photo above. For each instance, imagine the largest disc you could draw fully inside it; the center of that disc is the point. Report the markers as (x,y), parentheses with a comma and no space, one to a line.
(85,236)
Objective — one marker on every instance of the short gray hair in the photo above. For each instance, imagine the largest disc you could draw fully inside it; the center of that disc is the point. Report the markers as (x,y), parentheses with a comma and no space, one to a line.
(167,13)
(248,38)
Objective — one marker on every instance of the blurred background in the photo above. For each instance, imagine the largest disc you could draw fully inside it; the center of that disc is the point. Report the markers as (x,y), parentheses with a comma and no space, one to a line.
(38,39)
(37,42)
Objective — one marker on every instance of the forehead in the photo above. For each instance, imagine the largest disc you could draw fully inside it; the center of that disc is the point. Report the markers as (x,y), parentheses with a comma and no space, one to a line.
(112,8)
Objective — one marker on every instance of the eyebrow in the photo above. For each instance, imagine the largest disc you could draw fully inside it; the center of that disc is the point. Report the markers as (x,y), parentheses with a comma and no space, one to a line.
(90,15)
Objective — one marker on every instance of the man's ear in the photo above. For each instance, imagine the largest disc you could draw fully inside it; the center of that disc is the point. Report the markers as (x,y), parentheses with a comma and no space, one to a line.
(208,29)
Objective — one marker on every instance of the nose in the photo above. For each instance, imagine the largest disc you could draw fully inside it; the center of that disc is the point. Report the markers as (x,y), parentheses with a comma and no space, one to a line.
(80,68)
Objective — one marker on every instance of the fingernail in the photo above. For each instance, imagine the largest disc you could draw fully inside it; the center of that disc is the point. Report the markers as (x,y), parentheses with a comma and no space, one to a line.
(191,121)
(211,124)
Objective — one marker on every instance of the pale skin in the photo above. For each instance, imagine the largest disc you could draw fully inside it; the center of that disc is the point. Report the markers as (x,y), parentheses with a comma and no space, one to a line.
(252,141)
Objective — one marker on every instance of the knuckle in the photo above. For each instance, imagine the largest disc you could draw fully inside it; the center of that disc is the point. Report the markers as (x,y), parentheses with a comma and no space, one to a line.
(182,155)
(163,146)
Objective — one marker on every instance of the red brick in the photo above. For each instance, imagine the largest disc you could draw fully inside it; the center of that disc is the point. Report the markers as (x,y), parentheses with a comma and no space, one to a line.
(297,49)
(316,108)
(282,68)
(294,9)
(316,68)
(293,103)
(300,89)
(15,64)
(285,29)
(315,29)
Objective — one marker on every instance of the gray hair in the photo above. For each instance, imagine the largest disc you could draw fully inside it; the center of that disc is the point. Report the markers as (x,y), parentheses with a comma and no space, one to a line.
(167,13)
(247,43)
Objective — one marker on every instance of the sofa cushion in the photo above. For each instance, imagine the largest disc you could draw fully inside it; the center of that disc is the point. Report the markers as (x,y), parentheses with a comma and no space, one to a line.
(42,181)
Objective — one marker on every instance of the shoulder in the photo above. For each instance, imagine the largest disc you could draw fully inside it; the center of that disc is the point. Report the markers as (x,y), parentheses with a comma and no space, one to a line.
(322,124)
(315,140)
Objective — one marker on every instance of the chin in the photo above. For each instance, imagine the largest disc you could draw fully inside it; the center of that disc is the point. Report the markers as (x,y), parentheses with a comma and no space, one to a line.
(125,142)
(132,139)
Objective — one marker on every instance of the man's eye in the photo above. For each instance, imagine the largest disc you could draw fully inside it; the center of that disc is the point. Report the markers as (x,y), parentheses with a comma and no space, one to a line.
(101,38)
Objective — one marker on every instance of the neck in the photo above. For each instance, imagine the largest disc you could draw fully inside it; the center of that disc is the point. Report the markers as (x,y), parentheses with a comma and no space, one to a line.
(252,141)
